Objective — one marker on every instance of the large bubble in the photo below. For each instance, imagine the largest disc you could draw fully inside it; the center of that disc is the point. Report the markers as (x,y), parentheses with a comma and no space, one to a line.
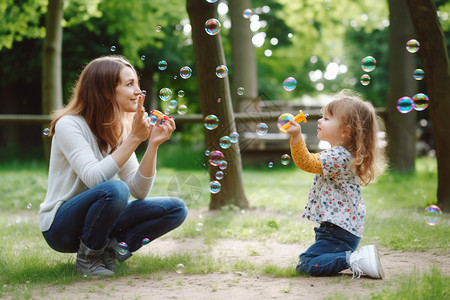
(214,187)
(368,63)
(211,122)
(405,105)
(290,84)
(185,72)
(412,46)
(165,94)
(225,142)
(421,101)
(432,215)
(216,158)
(212,26)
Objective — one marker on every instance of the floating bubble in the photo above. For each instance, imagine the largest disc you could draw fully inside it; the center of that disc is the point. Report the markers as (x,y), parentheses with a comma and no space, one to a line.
(123,248)
(283,119)
(418,74)
(365,79)
(199,226)
(285,159)
(405,105)
(185,72)
(216,158)
(223,164)
(270,164)
(247,13)
(234,137)
(225,142)
(211,122)
(142,57)
(179,269)
(165,94)
(173,104)
(214,187)
(412,46)
(421,101)
(212,26)
(162,65)
(222,71)
(144,93)
(432,215)
(368,63)
(240,91)
(219,100)
(181,93)
(182,109)
(212,1)
(145,241)
(46,131)
(207,152)
(113,48)
(290,84)
(29,205)
(167,111)
(262,128)
(219,175)
(158,28)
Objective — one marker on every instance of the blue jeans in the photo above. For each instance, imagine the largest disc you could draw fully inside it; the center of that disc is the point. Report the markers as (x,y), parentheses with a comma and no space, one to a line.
(104,212)
(330,253)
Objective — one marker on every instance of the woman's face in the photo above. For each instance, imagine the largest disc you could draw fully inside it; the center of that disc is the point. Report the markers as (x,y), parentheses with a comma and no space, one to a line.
(127,90)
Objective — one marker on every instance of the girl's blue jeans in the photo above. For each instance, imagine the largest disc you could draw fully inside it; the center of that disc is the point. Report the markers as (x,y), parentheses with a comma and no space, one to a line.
(330,253)
(104,212)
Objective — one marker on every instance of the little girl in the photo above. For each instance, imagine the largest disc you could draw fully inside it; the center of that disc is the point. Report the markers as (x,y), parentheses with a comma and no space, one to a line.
(334,201)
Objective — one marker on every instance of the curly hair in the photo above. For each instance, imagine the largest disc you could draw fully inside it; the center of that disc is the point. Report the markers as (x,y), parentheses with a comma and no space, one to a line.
(94,99)
(360,117)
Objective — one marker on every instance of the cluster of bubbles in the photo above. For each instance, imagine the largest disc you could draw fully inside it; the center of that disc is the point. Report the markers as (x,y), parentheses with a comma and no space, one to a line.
(432,215)
(368,64)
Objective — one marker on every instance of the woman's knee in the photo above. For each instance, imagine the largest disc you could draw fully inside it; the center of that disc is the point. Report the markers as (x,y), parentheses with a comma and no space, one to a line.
(118,191)
(180,208)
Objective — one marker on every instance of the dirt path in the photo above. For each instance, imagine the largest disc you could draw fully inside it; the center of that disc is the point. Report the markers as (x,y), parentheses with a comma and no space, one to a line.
(237,285)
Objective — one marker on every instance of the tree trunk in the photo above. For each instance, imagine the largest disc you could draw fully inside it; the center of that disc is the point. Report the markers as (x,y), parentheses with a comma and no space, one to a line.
(209,54)
(243,60)
(434,56)
(51,66)
(401,128)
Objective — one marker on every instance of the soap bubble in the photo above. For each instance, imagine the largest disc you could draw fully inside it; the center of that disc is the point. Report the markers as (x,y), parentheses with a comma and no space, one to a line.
(234,137)
(29,205)
(158,28)
(216,158)
(412,46)
(270,164)
(145,241)
(185,72)
(142,57)
(214,187)
(199,226)
(181,93)
(212,1)
(225,142)
(262,128)
(285,159)
(283,119)
(219,175)
(420,101)
(223,164)
(247,13)
(219,100)
(432,215)
(212,26)
(290,84)
(240,91)
(179,269)
(207,152)
(123,248)
(165,94)
(368,63)
(405,105)
(182,109)
(113,48)
(418,74)
(365,79)
(162,65)
(222,71)
(46,131)
(173,104)
(211,122)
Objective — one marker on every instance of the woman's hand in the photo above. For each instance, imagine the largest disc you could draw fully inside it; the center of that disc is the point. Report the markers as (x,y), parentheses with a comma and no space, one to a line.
(159,133)
(295,131)
(139,126)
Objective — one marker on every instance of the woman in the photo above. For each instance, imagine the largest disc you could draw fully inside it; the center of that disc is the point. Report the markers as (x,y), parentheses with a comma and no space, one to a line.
(93,170)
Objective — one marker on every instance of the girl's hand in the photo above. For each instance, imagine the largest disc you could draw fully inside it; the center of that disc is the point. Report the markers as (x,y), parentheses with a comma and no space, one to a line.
(295,131)
(139,127)
(161,133)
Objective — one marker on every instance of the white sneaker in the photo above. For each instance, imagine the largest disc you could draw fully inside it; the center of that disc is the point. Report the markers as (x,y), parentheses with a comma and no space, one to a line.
(366,261)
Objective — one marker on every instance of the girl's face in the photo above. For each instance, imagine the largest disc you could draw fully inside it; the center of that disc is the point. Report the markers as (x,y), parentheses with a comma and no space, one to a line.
(127,90)
(330,129)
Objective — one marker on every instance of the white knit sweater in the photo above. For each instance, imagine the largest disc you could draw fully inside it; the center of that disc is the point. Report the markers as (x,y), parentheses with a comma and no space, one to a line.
(77,164)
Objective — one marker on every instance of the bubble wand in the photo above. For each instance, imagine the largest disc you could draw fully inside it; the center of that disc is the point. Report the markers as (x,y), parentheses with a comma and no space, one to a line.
(298,118)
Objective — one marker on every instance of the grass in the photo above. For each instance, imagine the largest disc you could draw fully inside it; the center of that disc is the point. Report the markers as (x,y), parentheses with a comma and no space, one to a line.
(277,196)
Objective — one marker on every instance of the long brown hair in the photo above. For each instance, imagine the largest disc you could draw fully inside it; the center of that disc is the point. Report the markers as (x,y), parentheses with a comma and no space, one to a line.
(360,117)
(93,98)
